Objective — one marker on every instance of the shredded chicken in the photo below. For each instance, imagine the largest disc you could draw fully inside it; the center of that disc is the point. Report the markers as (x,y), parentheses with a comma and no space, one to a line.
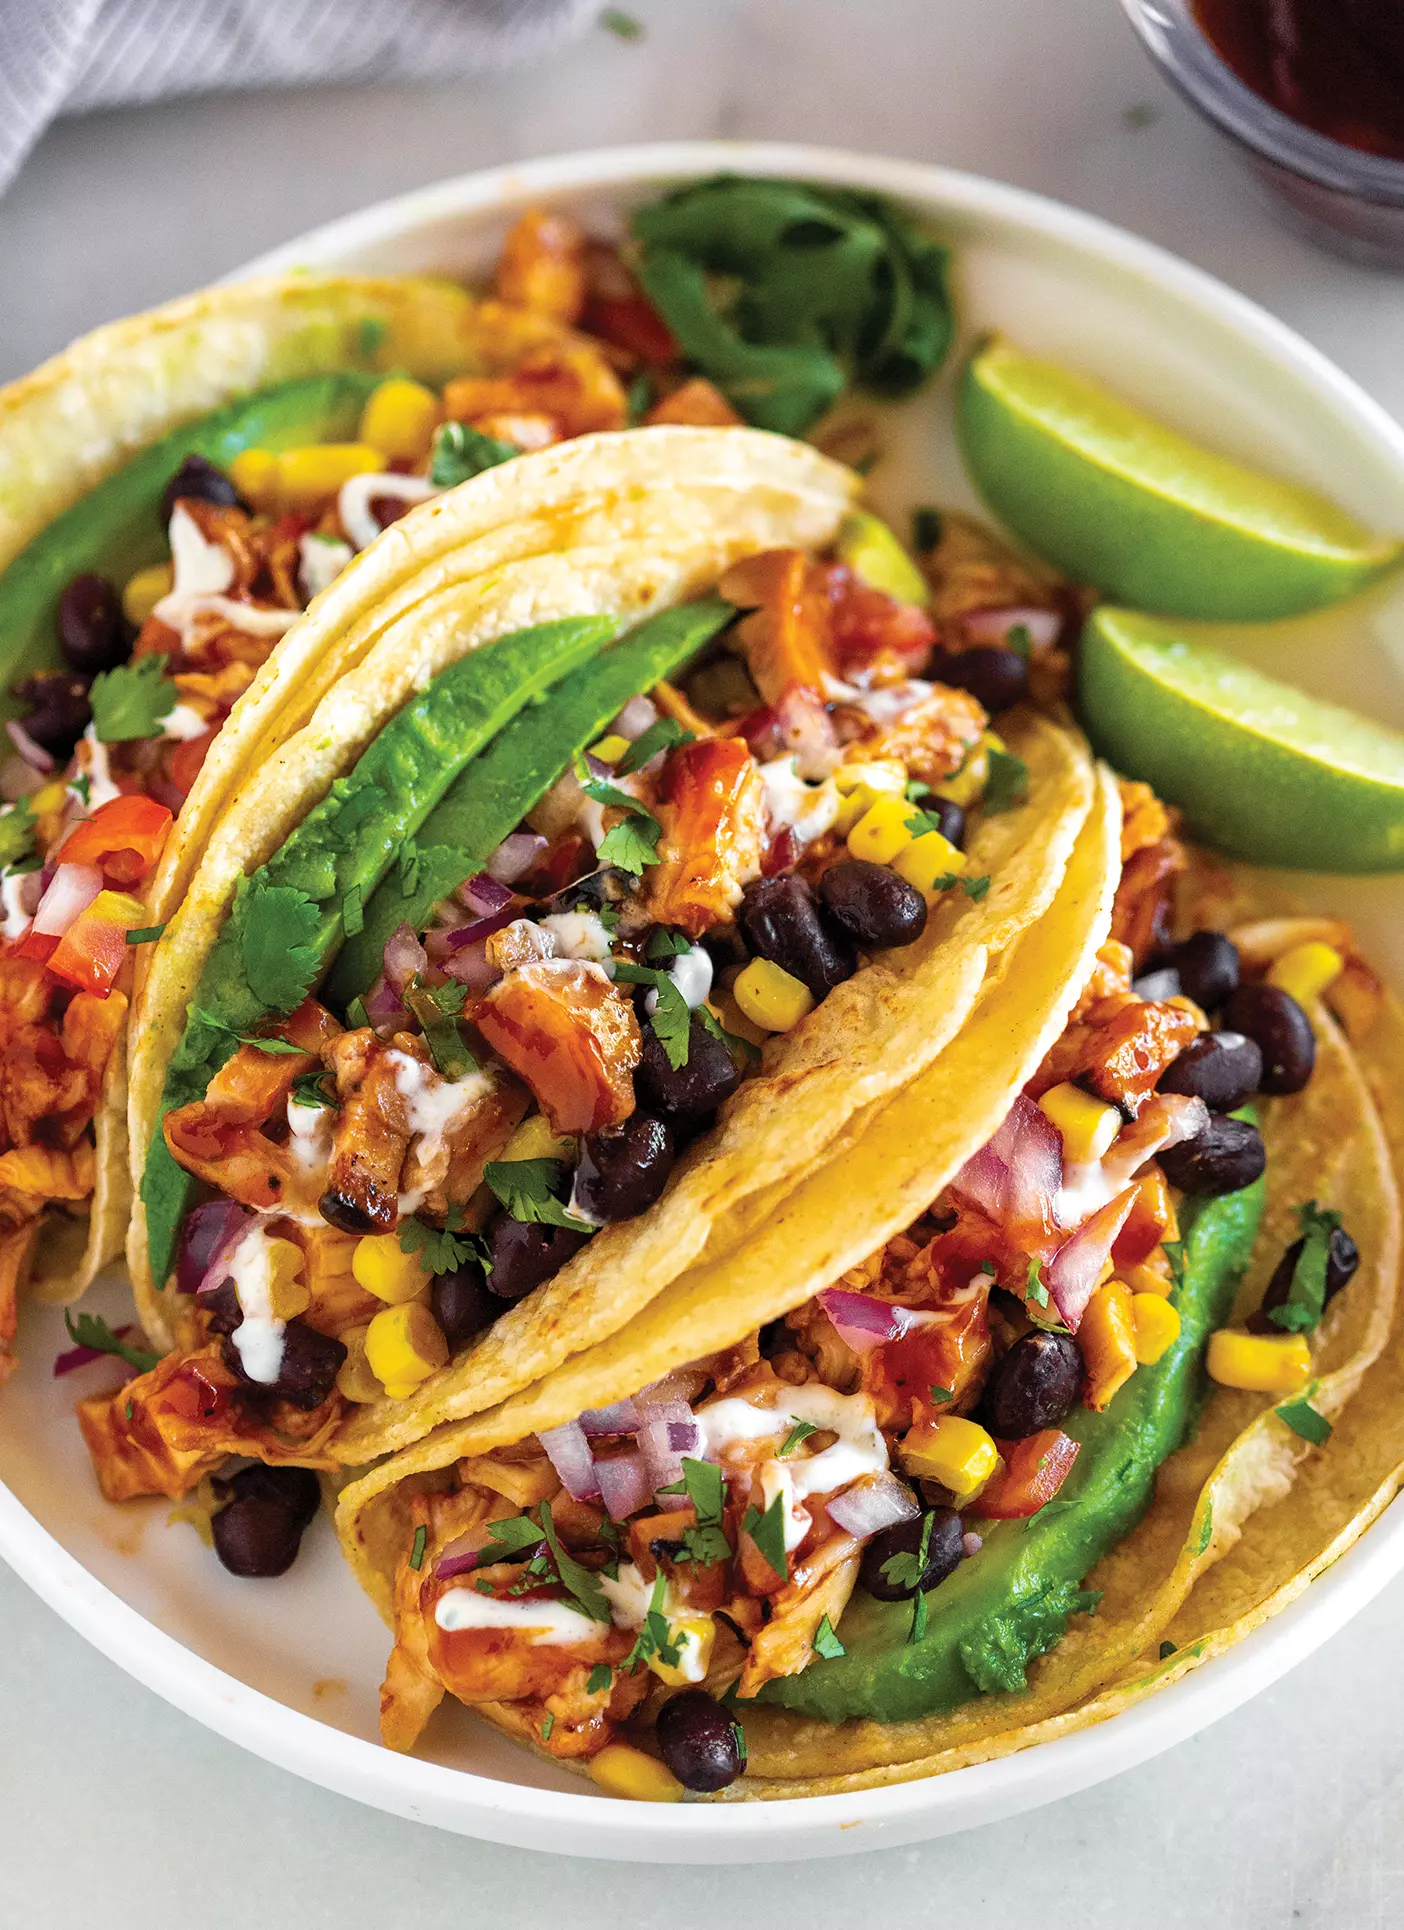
(565,1030)
(713,816)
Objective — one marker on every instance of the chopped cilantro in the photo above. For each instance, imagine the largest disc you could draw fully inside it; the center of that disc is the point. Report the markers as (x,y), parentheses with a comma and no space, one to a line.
(1175,1254)
(144,934)
(353,917)
(547,1726)
(356,1013)
(663,943)
(16,833)
(622,25)
(129,1410)
(82,787)
(655,1637)
(767,1531)
(733,1041)
(1167,1649)
(926,529)
(278,943)
(437,1009)
(919,1614)
(920,823)
(513,1536)
(600,1677)
(1034,1288)
(974,888)
(439,1251)
(664,734)
(801,1431)
(275,1048)
(906,1570)
(316,1088)
(1304,1419)
(524,1188)
(460,453)
(1019,641)
(1007,783)
(91,1330)
(371,332)
(483,1587)
(640,398)
(937,1394)
(1206,1532)
(1301,1311)
(632,844)
(671,1017)
(705,1489)
(421,1535)
(132,701)
(916,790)
(740,1734)
(826,1643)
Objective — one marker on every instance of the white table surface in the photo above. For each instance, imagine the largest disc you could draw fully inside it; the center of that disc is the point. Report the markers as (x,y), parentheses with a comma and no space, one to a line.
(115,1809)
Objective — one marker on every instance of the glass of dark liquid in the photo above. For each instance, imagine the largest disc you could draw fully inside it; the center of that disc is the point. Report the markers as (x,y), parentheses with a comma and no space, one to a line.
(1311,95)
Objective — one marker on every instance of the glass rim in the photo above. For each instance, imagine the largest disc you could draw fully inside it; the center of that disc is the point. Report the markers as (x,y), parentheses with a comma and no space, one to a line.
(1187,57)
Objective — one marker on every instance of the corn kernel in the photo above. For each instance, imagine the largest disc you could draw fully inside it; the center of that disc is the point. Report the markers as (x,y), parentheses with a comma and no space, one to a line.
(50,797)
(770,997)
(693,1636)
(610,749)
(852,806)
(876,558)
(354,1379)
(882,831)
(884,776)
(928,859)
(1151,1276)
(399,419)
(1107,1338)
(534,1139)
(960,1454)
(404,1346)
(963,787)
(1306,970)
(309,475)
(623,1770)
(254,473)
(144,591)
(287,1294)
(1088,1125)
(1156,1327)
(384,1270)
(1259,1363)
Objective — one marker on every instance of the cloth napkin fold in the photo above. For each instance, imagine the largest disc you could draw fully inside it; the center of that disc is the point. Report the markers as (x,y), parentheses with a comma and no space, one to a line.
(62,56)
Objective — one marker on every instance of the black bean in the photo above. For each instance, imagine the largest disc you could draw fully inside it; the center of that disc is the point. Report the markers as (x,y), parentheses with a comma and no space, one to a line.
(608,886)
(1162,982)
(308,1371)
(943,1554)
(710,1075)
(347,1216)
(1207,963)
(698,1740)
(950,818)
(995,677)
(1035,1385)
(874,906)
(1223,1069)
(783,923)
(463,1305)
(1342,1259)
(622,1173)
(92,630)
(60,711)
(222,1306)
(297,1490)
(199,478)
(1227,1156)
(1282,1031)
(524,1255)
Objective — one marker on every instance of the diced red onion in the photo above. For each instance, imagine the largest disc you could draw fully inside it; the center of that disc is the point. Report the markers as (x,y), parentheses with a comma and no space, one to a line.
(207,1237)
(382,1003)
(994,626)
(1015,1179)
(32,886)
(471,967)
(621,1418)
(1164,1121)
(404,957)
(452,1565)
(482,895)
(971,1544)
(871,1505)
(515,856)
(464,1554)
(569,1454)
(663,1461)
(73,1358)
(806,728)
(597,766)
(635,718)
(1071,1275)
(33,754)
(861,1320)
(482,928)
(74,888)
(624,1484)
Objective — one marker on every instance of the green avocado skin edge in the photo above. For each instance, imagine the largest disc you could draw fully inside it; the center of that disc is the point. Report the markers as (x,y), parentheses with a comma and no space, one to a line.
(1011,1601)
(116,529)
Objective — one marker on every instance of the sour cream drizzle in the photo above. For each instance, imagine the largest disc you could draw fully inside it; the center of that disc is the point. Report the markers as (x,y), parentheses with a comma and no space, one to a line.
(543,1622)
(730,1426)
(259,1336)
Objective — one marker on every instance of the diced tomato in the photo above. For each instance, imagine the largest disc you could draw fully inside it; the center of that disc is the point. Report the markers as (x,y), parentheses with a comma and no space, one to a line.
(91,952)
(1034,1470)
(632,322)
(542,265)
(187,758)
(124,837)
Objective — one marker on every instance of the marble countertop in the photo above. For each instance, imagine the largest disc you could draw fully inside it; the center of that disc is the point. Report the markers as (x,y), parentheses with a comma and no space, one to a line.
(116,1809)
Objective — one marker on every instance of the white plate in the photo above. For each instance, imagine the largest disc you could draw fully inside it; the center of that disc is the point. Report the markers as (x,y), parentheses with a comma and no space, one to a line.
(290,1668)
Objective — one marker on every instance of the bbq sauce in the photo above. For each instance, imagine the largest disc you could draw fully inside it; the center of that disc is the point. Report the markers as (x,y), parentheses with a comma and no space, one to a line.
(1334,65)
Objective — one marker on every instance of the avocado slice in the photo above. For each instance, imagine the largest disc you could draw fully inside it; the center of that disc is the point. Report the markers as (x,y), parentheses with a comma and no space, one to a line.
(116,529)
(337,856)
(496,791)
(1011,1601)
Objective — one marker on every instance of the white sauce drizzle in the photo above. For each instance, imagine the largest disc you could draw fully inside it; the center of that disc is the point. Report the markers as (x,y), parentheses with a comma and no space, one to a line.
(886,705)
(1085,1188)
(579,935)
(198,566)
(543,1622)
(791,804)
(353,504)
(183,723)
(729,1426)
(258,1337)
(320,561)
(691,972)
(101,788)
(433,1107)
(12,896)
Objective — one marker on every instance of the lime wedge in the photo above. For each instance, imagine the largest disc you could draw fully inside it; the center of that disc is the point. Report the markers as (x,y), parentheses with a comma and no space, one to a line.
(1117,500)
(1259,769)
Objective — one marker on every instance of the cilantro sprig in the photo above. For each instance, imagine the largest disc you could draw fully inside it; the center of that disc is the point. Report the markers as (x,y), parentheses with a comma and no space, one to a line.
(632,844)
(664,734)
(442,1250)
(827,1643)
(132,701)
(705,1488)
(460,453)
(767,1531)
(655,1638)
(799,1433)
(1301,1311)
(438,1008)
(91,1330)
(316,1088)
(671,1017)
(525,1187)
(277,937)
(1304,1419)
(16,833)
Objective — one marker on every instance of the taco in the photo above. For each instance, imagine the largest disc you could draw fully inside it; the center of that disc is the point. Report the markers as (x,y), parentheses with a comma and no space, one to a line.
(448,1010)
(173,491)
(886,1492)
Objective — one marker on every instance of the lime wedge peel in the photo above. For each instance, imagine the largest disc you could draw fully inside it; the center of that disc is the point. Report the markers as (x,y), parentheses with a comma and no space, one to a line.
(1261,770)
(1117,500)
